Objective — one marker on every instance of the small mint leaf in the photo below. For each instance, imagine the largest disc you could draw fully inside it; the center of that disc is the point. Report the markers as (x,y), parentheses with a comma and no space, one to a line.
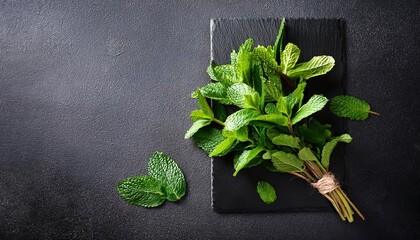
(196,126)
(318,65)
(289,57)
(306,154)
(286,162)
(314,104)
(245,158)
(266,192)
(167,172)
(144,191)
(329,147)
(286,140)
(239,119)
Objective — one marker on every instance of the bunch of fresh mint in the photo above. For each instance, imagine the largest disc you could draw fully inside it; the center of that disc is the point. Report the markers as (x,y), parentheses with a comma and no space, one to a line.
(164,182)
(261,121)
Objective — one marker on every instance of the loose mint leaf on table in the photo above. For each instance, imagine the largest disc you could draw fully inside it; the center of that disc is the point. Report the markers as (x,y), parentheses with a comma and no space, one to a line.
(329,147)
(350,107)
(266,192)
(145,191)
(286,162)
(314,104)
(166,171)
(318,65)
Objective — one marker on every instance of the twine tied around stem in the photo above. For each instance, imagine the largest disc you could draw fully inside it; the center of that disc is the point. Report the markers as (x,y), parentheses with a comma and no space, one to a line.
(326,184)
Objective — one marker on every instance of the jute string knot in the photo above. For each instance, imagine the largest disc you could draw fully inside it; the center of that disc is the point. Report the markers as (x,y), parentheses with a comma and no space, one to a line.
(326,184)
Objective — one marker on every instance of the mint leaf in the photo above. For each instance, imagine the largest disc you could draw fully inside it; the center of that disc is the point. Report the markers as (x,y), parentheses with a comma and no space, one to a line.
(286,140)
(270,108)
(224,73)
(252,101)
(350,107)
(208,138)
(314,104)
(198,115)
(318,65)
(167,172)
(216,91)
(289,57)
(314,132)
(272,86)
(267,58)
(223,147)
(144,191)
(306,154)
(245,158)
(204,106)
(266,192)
(272,118)
(278,45)
(239,119)
(243,62)
(237,92)
(286,162)
(329,147)
(219,111)
(196,126)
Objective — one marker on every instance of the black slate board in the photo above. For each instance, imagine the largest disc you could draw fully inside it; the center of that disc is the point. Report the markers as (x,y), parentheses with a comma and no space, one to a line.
(314,37)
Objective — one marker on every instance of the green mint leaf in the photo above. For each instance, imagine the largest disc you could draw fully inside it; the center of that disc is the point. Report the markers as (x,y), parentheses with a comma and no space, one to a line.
(196,126)
(266,56)
(144,191)
(286,140)
(215,91)
(224,73)
(204,106)
(270,108)
(273,87)
(271,118)
(286,162)
(350,107)
(298,93)
(318,65)
(314,104)
(198,115)
(224,147)
(314,132)
(266,192)
(243,62)
(329,147)
(278,45)
(252,101)
(239,119)
(208,138)
(237,92)
(306,154)
(245,158)
(166,171)
(240,134)
(258,79)
(219,111)
(289,57)
(285,104)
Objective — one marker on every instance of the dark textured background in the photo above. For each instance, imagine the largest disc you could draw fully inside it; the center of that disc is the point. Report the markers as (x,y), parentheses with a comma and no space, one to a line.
(89,89)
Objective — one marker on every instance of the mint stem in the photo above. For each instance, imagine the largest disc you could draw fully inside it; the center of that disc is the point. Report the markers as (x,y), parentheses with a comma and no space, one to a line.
(218,122)
(374,113)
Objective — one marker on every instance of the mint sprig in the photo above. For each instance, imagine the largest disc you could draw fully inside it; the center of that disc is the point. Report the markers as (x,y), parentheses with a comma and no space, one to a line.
(164,182)
(261,115)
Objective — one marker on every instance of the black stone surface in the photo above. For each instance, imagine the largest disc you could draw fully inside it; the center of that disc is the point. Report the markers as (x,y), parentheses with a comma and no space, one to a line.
(314,37)
(89,89)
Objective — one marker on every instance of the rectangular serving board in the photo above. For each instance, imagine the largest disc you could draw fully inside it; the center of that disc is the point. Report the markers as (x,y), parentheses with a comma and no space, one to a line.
(314,37)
